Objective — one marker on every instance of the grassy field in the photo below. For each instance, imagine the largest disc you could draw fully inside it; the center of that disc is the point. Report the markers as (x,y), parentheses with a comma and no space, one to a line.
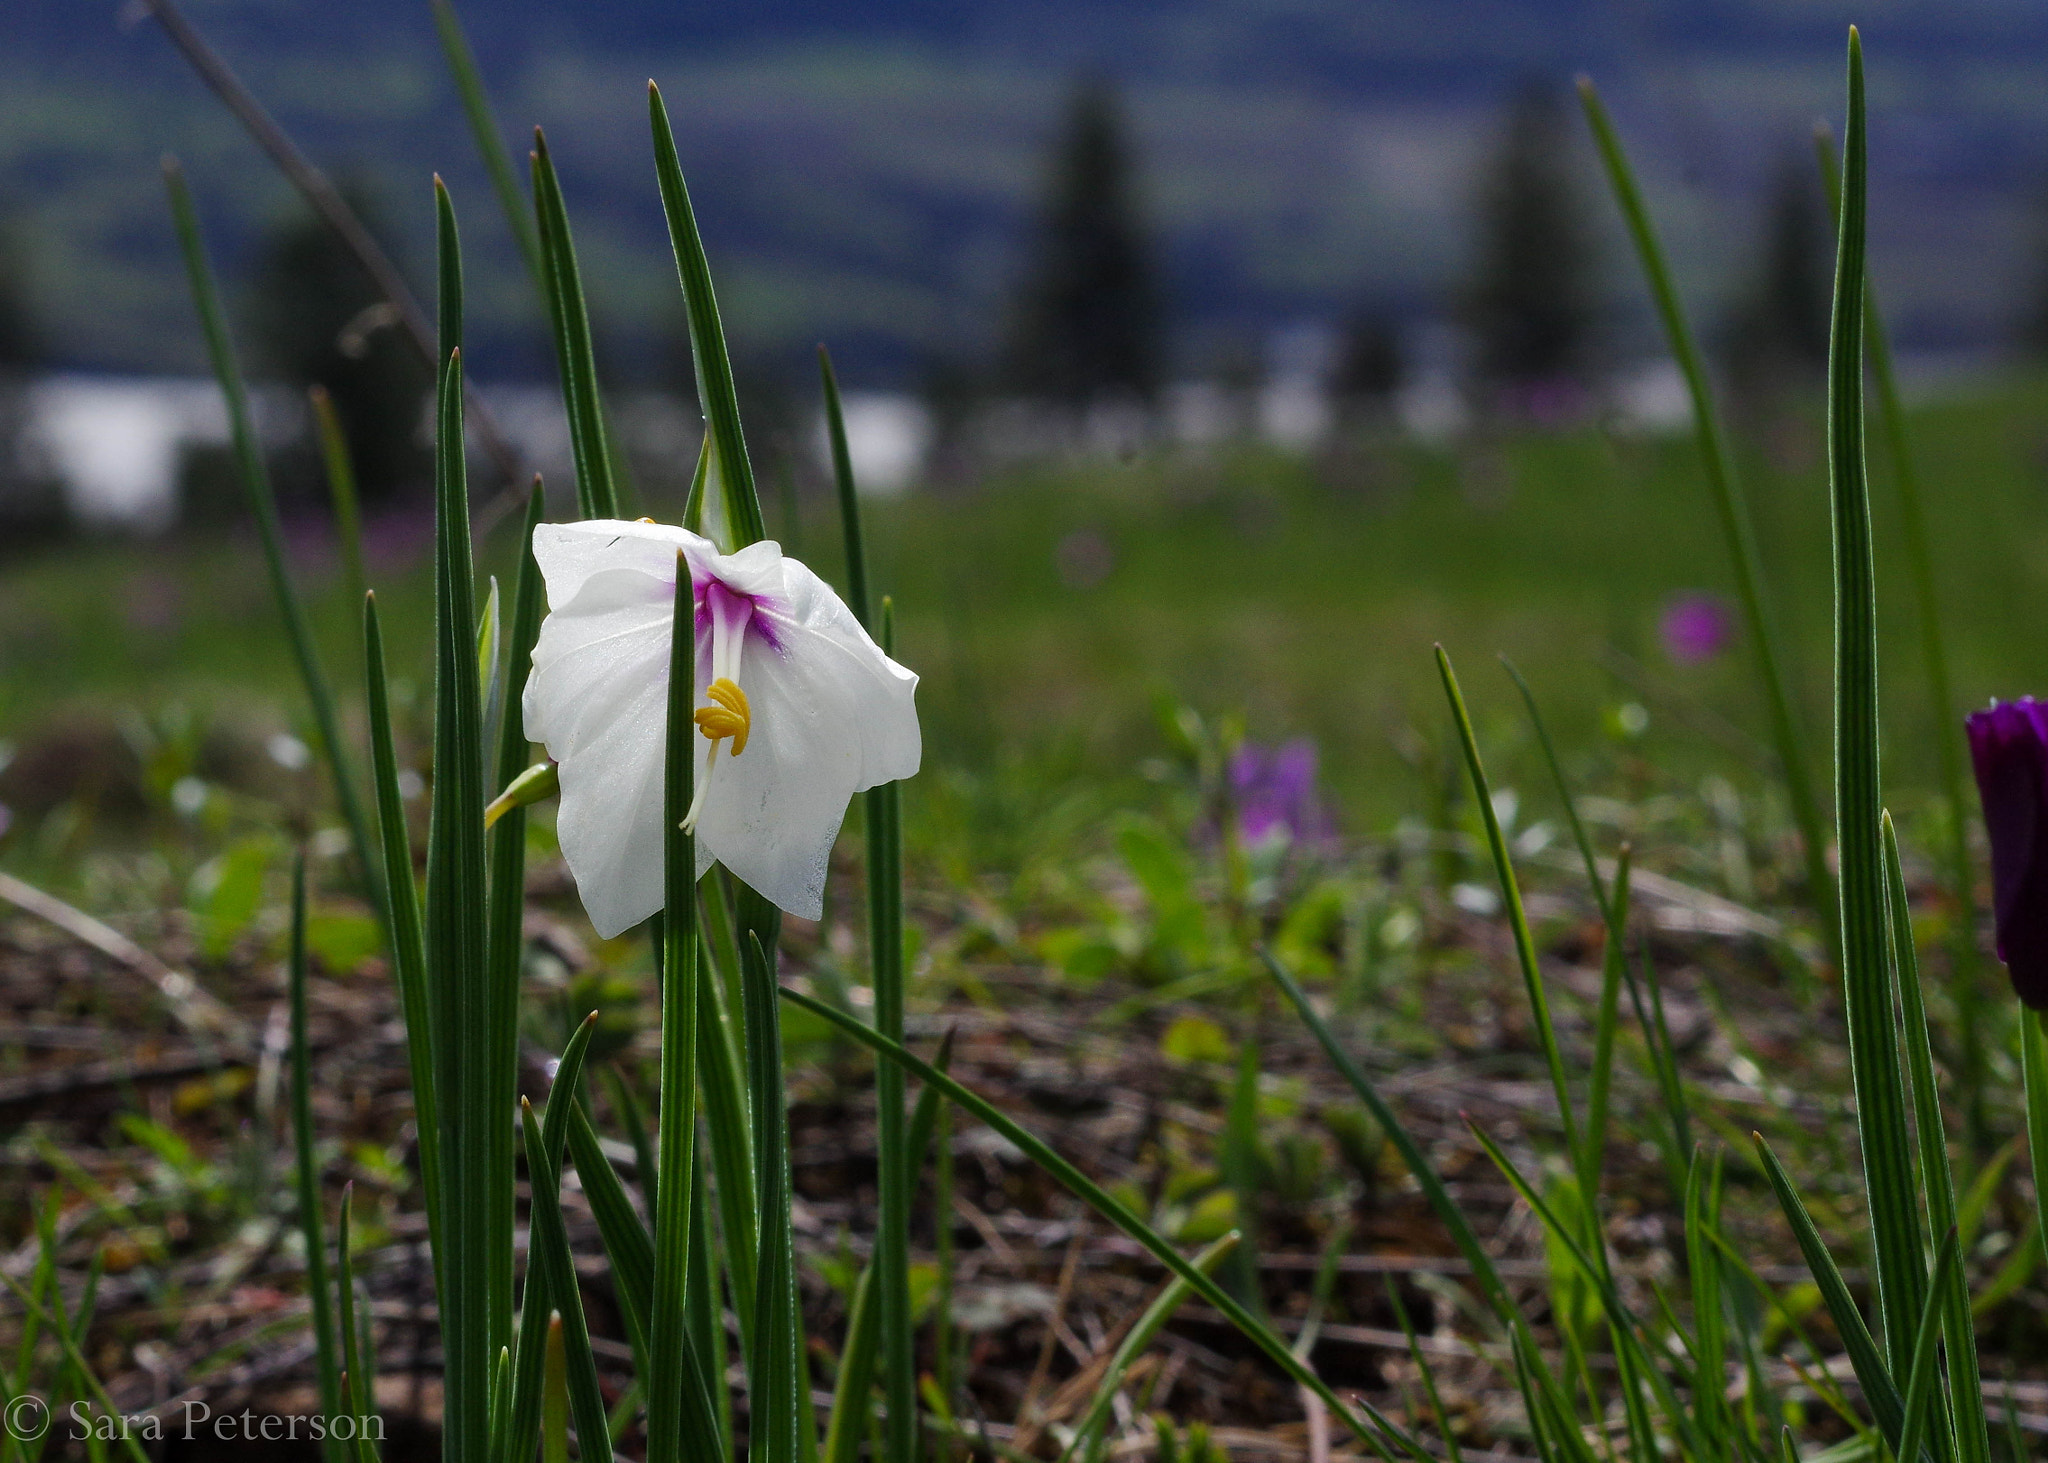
(1053,611)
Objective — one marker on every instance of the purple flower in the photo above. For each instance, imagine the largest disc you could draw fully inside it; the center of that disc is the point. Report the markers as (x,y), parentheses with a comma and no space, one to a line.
(1274,790)
(1696,627)
(2009,748)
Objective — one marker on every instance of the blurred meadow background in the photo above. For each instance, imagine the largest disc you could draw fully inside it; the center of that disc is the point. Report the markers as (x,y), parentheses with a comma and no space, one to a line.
(1205,364)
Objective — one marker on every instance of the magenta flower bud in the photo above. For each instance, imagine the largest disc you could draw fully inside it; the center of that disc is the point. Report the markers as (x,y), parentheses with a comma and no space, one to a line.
(2009,748)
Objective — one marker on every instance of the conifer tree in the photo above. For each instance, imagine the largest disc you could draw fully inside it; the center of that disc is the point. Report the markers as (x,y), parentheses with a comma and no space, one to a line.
(1088,316)
(1780,326)
(1530,304)
(318,319)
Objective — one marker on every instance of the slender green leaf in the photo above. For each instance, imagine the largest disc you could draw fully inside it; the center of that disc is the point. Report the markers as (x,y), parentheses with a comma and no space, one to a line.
(505,918)
(552,1255)
(727,450)
(541,1300)
(1170,1299)
(341,490)
(408,952)
(1444,1432)
(2034,1078)
(627,1244)
(1879,1390)
(74,1353)
(1239,1157)
(778,1394)
(263,507)
(1968,964)
(1923,1405)
(1731,506)
(1867,993)
(849,496)
(1511,895)
(1937,1180)
(326,1352)
(575,357)
(359,1400)
(476,1320)
(483,126)
(671,1383)
(1709,1344)
(1110,1208)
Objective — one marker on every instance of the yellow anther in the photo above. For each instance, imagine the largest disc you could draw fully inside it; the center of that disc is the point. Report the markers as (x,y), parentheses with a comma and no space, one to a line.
(731,717)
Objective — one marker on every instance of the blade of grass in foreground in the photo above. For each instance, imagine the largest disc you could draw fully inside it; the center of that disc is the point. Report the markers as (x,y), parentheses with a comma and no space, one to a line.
(730,469)
(575,358)
(1937,1181)
(263,507)
(1965,984)
(341,488)
(1113,1210)
(402,918)
(476,1321)
(670,1436)
(360,1380)
(885,962)
(326,1353)
(1872,1375)
(490,142)
(1867,994)
(1511,897)
(1731,507)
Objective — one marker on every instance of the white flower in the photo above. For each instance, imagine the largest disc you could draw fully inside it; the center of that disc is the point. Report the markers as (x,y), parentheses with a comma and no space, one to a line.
(804,711)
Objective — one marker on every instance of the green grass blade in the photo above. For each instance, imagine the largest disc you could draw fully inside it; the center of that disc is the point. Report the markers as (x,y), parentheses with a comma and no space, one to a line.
(847,1423)
(1240,1167)
(522,1416)
(669,1432)
(1624,1328)
(883,808)
(1710,1337)
(1440,1201)
(263,508)
(505,928)
(1730,504)
(74,1354)
(1937,1179)
(1444,1432)
(1580,838)
(341,490)
(2034,1079)
(1923,1405)
(1170,1299)
(551,1251)
(1887,1408)
(359,1381)
(402,918)
(476,1322)
(1867,992)
(778,1396)
(1965,983)
(326,1353)
(849,496)
(1606,1021)
(483,126)
(1110,1208)
(627,1245)
(575,357)
(729,1129)
(704,1303)
(730,468)
(1511,897)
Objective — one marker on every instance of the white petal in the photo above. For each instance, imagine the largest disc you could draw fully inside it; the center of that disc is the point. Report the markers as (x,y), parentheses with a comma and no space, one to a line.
(570,553)
(598,700)
(831,715)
